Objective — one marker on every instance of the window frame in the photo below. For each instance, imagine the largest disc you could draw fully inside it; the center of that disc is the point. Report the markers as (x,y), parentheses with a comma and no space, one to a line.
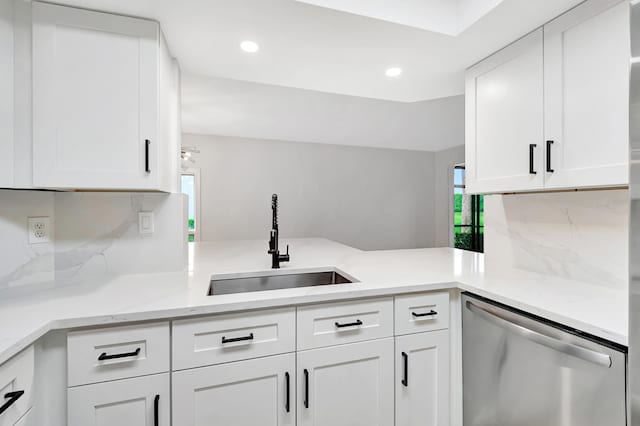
(475,225)
(195,172)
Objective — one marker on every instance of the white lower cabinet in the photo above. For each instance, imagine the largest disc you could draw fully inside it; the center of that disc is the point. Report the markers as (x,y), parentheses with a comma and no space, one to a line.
(141,401)
(27,419)
(346,385)
(422,379)
(245,393)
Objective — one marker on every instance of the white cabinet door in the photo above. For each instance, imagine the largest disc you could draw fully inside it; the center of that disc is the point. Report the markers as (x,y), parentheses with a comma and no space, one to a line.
(346,385)
(422,379)
(245,393)
(95,99)
(586,61)
(504,119)
(6,93)
(27,420)
(142,401)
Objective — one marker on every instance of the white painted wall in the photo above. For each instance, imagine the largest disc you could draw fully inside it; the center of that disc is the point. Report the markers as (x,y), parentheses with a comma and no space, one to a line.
(364,197)
(218,106)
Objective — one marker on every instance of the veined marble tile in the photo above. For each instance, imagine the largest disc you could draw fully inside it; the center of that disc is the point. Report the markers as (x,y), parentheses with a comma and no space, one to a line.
(94,235)
(20,262)
(575,235)
(98,235)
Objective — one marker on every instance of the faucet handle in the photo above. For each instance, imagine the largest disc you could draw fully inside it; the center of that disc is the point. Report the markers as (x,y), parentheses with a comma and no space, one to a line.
(287,249)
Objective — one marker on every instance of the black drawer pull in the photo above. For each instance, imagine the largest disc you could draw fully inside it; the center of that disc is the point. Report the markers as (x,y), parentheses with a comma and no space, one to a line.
(13,397)
(306,388)
(405,359)
(349,324)
(549,169)
(426,314)
(532,146)
(287,406)
(156,405)
(237,339)
(147,168)
(104,355)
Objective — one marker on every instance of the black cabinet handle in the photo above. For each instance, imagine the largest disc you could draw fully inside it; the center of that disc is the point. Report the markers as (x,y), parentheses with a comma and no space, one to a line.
(405,359)
(287,389)
(147,168)
(156,405)
(13,397)
(349,324)
(426,314)
(306,388)
(549,169)
(532,146)
(237,339)
(104,355)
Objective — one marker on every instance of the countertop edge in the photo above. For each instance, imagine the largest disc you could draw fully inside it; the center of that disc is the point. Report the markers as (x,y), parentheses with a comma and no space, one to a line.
(31,337)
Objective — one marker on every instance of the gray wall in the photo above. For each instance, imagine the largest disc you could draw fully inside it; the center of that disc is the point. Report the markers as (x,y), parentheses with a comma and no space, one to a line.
(368,198)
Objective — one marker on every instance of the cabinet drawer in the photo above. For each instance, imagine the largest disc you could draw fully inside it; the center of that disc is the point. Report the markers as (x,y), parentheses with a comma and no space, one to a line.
(115,353)
(344,322)
(422,312)
(16,379)
(224,338)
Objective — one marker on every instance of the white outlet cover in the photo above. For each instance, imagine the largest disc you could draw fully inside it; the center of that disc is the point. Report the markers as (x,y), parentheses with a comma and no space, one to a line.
(145,222)
(39,229)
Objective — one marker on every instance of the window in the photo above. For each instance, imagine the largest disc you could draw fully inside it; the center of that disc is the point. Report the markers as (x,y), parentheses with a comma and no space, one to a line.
(190,186)
(468,215)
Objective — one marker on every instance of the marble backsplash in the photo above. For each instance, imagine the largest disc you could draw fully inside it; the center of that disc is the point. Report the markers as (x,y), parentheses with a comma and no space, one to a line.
(94,235)
(575,235)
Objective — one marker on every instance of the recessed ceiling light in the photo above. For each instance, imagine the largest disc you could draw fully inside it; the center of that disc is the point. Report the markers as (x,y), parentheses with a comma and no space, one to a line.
(249,46)
(393,72)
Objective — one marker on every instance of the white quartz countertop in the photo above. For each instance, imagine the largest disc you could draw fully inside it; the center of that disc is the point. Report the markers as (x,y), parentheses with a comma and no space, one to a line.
(594,309)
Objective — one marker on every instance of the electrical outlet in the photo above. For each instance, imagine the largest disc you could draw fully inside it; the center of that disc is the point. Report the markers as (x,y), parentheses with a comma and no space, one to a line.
(39,229)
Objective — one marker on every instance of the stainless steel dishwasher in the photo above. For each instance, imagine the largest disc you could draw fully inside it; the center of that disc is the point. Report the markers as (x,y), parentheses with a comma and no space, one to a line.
(519,370)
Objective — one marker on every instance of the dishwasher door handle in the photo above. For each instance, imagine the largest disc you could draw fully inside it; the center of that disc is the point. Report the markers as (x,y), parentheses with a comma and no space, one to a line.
(589,355)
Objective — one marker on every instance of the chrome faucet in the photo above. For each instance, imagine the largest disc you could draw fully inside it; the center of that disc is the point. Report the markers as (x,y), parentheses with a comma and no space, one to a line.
(276,257)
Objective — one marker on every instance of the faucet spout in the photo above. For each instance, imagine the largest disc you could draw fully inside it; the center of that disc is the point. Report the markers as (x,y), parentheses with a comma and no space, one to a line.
(274,251)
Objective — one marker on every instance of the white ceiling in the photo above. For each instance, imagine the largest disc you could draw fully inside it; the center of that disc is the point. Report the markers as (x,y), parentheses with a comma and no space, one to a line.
(253,110)
(449,17)
(318,48)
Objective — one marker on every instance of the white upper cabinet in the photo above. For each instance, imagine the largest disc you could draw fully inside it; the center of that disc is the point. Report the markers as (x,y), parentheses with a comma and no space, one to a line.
(586,64)
(504,119)
(550,111)
(97,83)
(6,93)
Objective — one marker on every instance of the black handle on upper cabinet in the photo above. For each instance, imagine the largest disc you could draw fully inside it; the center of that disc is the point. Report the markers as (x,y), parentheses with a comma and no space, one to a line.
(13,397)
(549,169)
(156,405)
(237,339)
(349,324)
(306,388)
(405,359)
(147,168)
(287,390)
(532,146)
(104,355)
(426,314)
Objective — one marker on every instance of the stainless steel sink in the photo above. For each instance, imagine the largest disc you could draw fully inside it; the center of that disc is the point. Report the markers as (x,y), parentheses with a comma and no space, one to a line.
(276,282)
